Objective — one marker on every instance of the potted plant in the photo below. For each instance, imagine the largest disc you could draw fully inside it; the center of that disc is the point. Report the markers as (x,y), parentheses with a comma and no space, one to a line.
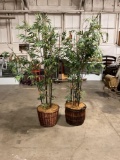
(82,54)
(42,51)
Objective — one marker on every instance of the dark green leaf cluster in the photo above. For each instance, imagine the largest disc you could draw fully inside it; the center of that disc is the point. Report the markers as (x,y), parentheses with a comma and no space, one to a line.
(82,56)
(42,39)
(42,51)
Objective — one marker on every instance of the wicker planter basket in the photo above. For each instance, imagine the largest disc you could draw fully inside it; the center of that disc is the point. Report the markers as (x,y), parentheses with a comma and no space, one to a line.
(75,115)
(48,117)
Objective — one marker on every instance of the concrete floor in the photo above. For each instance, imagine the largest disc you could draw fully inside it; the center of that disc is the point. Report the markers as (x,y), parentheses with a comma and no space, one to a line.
(22,138)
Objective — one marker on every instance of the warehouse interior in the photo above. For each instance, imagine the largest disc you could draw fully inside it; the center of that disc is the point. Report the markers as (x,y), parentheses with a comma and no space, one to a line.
(21,135)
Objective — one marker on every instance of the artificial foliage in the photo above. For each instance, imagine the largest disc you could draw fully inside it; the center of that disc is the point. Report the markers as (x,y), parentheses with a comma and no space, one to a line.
(82,56)
(42,51)
(42,40)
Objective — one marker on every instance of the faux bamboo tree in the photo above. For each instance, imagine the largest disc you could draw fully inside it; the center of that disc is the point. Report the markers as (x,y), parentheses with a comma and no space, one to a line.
(42,40)
(81,56)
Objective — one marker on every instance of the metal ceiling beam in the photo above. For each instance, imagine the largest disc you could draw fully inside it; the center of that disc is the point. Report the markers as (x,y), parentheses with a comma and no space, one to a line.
(38,11)
(22,5)
(7,17)
(81,4)
(26,4)
(118,2)
(59,2)
(14,11)
(103,5)
(114,6)
(92,6)
(54,11)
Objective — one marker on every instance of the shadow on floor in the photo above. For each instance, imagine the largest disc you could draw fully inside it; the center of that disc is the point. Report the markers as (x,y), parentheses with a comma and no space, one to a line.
(102,94)
(111,109)
(20,120)
(24,119)
(62,121)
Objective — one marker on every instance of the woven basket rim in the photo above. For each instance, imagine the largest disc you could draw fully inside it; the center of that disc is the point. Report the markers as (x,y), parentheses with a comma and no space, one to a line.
(75,107)
(54,108)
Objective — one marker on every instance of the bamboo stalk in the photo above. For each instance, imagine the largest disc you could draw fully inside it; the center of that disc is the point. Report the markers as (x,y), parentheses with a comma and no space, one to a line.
(46,89)
(50,92)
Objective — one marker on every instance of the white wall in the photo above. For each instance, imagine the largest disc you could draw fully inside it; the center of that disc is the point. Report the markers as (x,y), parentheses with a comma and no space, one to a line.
(110,23)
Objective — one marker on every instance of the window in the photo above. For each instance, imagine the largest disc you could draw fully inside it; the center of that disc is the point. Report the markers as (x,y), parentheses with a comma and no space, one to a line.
(108,24)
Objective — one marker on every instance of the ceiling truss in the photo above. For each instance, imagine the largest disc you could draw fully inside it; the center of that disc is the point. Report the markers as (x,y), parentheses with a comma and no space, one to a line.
(23,6)
(81,4)
(24,3)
